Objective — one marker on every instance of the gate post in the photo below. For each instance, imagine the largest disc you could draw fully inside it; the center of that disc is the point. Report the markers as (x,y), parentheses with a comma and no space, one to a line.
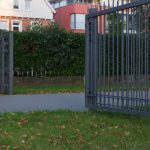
(91,61)
(10,64)
(1,63)
(6,62)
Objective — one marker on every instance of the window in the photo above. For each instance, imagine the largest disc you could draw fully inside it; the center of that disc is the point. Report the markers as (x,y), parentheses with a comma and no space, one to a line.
(78,21)
(16,26)
(130,23)
(27,5)
(16,4)
(3,25)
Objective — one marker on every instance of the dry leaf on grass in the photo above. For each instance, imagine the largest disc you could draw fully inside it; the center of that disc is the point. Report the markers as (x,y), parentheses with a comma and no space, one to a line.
(5,133)
(62,127)
(23,121)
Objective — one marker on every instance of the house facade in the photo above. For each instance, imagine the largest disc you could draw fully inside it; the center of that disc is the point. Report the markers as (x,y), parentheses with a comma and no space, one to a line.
(70,14)
(72,17)
(19,15)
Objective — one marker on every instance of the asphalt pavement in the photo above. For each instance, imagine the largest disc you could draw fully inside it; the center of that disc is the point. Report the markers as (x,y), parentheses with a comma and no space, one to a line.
(40,102)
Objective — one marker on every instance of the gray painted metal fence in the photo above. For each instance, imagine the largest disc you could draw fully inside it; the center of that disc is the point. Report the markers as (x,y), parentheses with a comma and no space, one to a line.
(118,57)
(6,62)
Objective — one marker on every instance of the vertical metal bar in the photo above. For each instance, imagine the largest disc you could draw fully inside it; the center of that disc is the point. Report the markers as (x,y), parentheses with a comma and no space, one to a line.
(122,58)
(131,49)
(139,53)
(100,56)
(108,17)
(136,58)
(113,47)
(134,78)
(95,56)
(147,49)
(117,56)
(141,49)
(128,56)
(92,61)
(10,64)
(1,63)
(87,64)
(104,49)
(145,58)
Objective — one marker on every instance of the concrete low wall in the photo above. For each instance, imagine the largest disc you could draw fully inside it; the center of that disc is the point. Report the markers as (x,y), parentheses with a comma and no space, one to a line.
(28,81)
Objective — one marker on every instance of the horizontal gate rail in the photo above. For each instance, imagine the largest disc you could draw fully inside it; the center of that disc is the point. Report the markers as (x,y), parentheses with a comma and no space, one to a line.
(136,3)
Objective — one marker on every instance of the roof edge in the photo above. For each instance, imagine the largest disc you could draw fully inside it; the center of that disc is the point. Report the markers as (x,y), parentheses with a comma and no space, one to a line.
(50,6)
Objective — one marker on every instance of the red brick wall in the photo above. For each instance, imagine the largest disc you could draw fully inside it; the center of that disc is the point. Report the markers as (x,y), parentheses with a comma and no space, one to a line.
(26,22)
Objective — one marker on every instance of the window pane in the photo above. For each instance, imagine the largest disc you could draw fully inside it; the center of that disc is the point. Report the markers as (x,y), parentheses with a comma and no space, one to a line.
(16,4)
(3,25)
(27,4)
(15,24)
(80,21)
(80,25)
(80,17)
(73,21)
(15,28)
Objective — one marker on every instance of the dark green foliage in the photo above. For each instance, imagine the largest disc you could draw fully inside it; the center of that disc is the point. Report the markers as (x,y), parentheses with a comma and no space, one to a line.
(51,49)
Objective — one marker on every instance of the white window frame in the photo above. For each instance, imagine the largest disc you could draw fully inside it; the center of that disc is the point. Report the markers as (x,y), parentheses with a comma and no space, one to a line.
(73,23)
(18,5)
(25,5)
(7,21)
(20,25)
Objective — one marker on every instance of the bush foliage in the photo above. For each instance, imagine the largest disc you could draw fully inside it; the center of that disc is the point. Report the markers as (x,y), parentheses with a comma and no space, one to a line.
(49,49)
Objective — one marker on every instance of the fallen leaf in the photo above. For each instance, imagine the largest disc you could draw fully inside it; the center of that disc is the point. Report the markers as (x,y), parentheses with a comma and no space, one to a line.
(23,121)
(127,133)
(78,131)
(22,141)
(15,147)
(115,146)
(5,133)
(62,127)
(93,125)
(13,114)
(116,127)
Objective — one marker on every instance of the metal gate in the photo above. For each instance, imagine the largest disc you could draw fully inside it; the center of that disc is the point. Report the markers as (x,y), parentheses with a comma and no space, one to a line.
(6,62)
(118,57)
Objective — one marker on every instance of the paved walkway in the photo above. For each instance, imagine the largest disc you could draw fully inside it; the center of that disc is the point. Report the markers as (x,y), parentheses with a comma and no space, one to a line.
(51,102)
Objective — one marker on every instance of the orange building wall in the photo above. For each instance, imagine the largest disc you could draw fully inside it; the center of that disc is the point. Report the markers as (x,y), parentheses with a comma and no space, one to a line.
(65,15)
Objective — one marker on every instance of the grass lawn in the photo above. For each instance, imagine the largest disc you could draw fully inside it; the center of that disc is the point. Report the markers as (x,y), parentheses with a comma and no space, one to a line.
(48,89)
(73,130)
(63,88)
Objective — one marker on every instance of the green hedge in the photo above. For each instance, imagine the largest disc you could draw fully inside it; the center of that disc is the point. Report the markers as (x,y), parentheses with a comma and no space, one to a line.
(49,49)
(60,53)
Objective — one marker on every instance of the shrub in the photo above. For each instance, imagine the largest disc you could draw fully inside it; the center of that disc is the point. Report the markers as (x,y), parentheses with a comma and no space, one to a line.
(50,51)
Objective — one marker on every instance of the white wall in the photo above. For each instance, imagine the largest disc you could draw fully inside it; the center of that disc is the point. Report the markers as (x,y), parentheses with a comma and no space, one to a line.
(39,9)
